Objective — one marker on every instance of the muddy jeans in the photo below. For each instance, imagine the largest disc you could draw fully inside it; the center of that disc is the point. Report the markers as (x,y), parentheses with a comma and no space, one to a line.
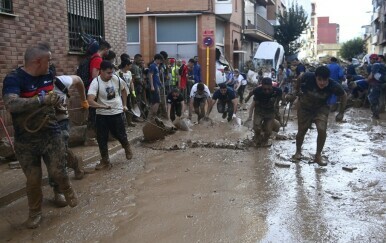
(240,92)
(29,152)
(199,107)
(374,96)
(113,124)
(225,106)
(262,123)
(175,109)
(70,160)
(307,117)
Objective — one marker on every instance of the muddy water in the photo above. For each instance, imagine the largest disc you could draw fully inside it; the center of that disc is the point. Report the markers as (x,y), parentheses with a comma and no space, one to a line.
(223,195)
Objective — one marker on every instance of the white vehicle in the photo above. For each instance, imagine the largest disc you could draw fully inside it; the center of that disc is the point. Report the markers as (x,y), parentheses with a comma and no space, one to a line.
(220,76)
(269,55)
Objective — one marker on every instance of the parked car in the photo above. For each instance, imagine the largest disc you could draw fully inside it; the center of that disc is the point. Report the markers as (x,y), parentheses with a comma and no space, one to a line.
(221,63)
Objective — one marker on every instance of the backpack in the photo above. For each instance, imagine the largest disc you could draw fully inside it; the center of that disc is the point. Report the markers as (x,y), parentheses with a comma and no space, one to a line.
(83,71)
(119,87)
(181,70)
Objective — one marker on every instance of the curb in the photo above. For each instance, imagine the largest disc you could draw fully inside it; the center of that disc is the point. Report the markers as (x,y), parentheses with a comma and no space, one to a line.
(21,192)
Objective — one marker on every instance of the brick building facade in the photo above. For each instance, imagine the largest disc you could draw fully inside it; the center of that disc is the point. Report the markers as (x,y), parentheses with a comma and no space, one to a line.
(32,21)
(220,20)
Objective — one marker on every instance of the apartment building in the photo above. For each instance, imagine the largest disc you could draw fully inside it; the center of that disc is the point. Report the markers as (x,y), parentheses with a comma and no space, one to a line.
(25,22)
(181,28)
(378,26)
(257,27)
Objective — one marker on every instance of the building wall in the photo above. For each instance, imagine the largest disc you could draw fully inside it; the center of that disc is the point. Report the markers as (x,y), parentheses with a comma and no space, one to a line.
(35,22)
(328,33)
(115,24)
(147,11)
(158,6)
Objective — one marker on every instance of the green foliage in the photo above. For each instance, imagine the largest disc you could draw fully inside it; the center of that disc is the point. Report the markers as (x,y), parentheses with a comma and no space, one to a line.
(292,23)
(352,48)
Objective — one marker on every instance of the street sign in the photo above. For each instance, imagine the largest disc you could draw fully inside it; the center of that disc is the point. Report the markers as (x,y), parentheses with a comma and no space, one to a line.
(208,33)
(208,41)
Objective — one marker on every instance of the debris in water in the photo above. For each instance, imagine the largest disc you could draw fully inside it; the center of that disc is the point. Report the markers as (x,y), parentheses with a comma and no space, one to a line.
(349,169)
(282,165)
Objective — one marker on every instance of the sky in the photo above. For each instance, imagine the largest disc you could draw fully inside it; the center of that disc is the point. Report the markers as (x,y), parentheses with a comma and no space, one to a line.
(349,14)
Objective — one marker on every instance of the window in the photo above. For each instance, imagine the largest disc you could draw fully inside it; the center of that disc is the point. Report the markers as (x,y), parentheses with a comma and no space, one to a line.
(84,16)
(132,25)
(176,29)
(5,6)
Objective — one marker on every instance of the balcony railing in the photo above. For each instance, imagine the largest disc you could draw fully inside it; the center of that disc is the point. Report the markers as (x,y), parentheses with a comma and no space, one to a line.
(374,39)
(257,22)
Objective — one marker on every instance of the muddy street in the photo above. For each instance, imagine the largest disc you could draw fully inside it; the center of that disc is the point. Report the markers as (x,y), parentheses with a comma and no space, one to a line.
(186,189)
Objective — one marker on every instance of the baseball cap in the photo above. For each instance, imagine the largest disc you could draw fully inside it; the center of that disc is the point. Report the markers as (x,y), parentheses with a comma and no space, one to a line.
(373,56)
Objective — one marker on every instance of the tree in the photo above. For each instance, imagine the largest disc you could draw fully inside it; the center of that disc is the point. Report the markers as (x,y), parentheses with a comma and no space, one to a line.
(292,23)
(352,48)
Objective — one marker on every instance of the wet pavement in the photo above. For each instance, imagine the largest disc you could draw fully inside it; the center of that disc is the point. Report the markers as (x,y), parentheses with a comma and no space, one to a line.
(175,191)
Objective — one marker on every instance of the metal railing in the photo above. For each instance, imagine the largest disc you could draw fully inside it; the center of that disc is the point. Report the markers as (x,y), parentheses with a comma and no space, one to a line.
(84,16)
(257,22)
(6,6)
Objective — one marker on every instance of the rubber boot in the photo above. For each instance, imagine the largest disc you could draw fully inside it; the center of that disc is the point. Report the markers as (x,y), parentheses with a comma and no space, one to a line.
(104,164)
(71,197)
(73,162)
(128,152)
(34,220)
(59,199)
(129,119)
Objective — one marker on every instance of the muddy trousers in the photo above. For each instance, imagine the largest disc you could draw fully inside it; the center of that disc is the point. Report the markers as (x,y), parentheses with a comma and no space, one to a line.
(262,124)
(175,109)
(240,92)
(305,119)
(224,106)
(29,152)
(113,124)
(199,107)
(374,96)
(71,160)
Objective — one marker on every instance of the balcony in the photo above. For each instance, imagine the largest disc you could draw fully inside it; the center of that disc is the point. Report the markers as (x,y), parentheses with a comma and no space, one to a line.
(382,37)
(224,8)
(376,14)
(266,2)
(374,39)
(258,28)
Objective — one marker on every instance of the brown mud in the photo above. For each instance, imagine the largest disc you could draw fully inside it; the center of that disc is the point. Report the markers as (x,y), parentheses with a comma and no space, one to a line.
(207,194)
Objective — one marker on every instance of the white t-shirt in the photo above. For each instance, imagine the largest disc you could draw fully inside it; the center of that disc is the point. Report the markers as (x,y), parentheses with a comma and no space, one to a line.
(108,94)
(239,79)
(127,77)
(193,92)
(67,82)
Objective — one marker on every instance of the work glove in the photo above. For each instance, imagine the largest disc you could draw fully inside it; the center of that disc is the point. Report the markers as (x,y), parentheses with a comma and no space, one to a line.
(51,98)
(133,93)
(85,104)
(339,117)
